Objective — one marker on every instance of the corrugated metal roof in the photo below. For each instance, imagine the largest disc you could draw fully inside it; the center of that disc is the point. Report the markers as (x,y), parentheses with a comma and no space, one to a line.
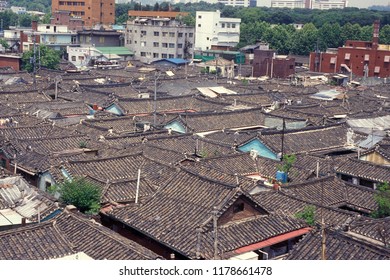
(379,123)
(10,217)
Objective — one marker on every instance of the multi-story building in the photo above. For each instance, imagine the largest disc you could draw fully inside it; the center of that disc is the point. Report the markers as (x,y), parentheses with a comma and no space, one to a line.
(156,37)
(214,32)
(292,4)
(18,10)
(92,12)
(310,4)
(235,3)
(360,58)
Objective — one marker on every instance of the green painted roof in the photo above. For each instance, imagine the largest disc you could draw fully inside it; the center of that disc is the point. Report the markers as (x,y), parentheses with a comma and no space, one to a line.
(115,50)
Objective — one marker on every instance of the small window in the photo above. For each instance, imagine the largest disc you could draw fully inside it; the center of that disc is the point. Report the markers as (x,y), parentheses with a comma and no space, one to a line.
(233,25)
(171,45)
(239,207)
(73,58)
(165,45)
(156,33)
(199,25)
(223,25)
(199,16)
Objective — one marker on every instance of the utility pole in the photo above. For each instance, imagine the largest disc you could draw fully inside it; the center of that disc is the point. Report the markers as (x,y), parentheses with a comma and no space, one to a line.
(283,128)
(155,99)
(34,62)
(215,226)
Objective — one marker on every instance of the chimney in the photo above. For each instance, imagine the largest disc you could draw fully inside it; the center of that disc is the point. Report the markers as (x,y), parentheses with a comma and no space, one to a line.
(21,40)
(375,35)
(34,25)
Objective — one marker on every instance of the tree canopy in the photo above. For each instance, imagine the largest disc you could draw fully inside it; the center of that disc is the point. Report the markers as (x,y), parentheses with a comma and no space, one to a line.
(81,193)
(49,58)
(382,199)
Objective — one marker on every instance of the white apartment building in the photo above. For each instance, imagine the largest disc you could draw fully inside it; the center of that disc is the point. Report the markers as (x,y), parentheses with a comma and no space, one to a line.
(156,38)
(310,4)
(235,3)
(328,4)
(213,30)
(292,4)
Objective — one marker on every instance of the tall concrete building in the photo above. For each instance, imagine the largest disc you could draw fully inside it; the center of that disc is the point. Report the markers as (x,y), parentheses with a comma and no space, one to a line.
(214,32)
(157,35)
(92,12)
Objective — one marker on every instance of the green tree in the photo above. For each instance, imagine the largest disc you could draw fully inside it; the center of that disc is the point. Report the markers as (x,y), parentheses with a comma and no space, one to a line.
(4,43)
(49,58)
(382,199)
(305,40)
(279,38)
(81,193)
(307,214)
(329,36)
(288,162)
(188,20)
(384,35)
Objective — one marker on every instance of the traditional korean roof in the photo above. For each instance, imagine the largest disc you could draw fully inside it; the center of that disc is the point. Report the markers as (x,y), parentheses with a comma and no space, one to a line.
(333,192)
(176,214)
(339,246)
(365,169)
(177,104)
(204,122)
(68,234)
(375,230)
(306,140)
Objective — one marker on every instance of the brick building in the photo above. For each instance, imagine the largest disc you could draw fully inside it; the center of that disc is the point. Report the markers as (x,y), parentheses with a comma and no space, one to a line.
(267,63)
(360,58)
(92,12)
(10,60)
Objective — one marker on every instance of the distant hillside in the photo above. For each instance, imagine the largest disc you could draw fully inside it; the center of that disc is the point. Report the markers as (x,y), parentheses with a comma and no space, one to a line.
(35,5)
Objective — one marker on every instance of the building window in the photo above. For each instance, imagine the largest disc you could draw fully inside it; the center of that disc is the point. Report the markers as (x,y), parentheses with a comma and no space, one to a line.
(171,56)
(164,55)
(165,45)
(171,45)
(101,39)
(143,53)
(156,33)
(199,25)
(180,35)
(81,58)
(156,55)
(190,35)
(156,44)
(143,32)
(227,25)
(233,25)
(165,34)
(199,16)
(179,46)
(172,34)
(223,25)
(143,43)
(73,58)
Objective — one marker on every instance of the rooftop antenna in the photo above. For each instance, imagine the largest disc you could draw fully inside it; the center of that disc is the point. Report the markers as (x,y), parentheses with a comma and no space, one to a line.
(283,128)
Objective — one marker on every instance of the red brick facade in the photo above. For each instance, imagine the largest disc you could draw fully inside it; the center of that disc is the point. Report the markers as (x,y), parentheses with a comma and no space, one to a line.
(10,61)
(360,57)
(92,12)
(266,64)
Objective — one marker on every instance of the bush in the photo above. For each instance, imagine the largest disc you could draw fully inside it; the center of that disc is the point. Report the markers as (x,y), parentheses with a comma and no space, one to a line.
(81,193)
(307,214)
(382,199)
